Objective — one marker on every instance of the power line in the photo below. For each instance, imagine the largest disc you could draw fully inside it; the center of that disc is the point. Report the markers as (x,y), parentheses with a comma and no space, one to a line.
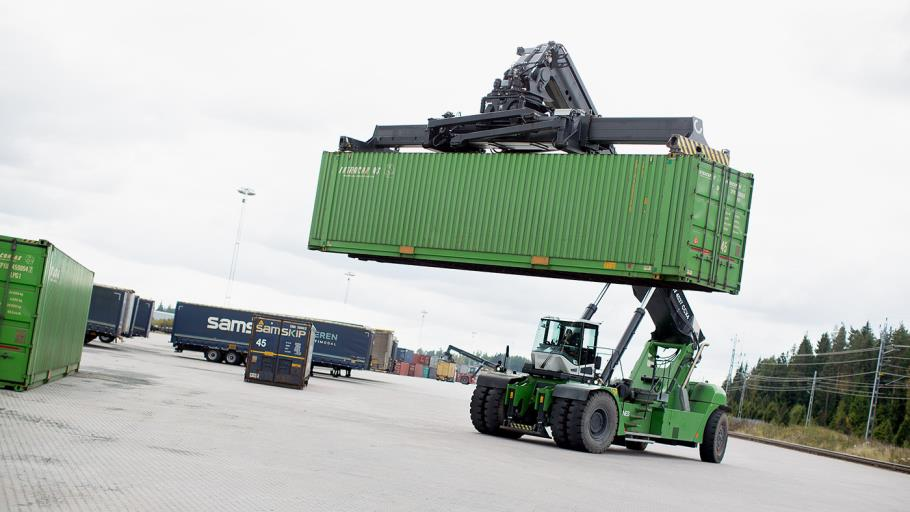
(851,351)
(819,363)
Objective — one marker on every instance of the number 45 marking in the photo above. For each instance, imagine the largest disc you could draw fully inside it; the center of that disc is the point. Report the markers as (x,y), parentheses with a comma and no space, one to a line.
(261,343)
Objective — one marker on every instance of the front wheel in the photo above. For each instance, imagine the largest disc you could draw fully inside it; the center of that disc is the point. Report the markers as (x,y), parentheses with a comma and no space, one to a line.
(591,425)
(714,443)
(106,338)
(488,411)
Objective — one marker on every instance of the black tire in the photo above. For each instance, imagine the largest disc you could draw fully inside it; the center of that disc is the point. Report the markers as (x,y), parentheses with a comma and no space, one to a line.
(591,424)
(636,446)
(213,355)
(233,358)
(559,413)
(477,408)
(714,443)
(465,379)
(494,412)
(347,372)
(88,339)
(106,338)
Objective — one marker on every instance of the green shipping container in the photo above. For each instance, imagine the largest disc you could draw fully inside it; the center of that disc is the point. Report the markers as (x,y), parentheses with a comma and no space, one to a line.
(44,301)
(661,220)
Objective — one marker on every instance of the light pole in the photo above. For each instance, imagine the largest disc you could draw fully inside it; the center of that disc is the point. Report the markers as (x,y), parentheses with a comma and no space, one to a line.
(244,192)
(347,287)
(423,316)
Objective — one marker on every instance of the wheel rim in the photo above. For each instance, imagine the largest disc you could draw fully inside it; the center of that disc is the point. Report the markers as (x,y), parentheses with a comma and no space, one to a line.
(598,424)
(720,441)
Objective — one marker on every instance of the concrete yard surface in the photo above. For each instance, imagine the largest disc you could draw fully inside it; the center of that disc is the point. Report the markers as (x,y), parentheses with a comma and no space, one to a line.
(143,428)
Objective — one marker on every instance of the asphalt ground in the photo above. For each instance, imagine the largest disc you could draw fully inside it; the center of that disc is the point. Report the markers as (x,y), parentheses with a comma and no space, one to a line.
(143,428)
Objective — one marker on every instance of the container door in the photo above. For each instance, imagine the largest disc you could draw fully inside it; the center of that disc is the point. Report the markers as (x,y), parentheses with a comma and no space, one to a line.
(261,361)
(21,273)
(292,360)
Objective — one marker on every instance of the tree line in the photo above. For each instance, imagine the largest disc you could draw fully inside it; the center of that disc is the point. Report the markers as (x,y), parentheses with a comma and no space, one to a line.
(841,368)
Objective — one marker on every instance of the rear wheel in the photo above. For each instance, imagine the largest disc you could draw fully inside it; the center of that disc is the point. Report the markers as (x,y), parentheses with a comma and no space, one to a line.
(714,443)
(213,355)
(591,424)
(106,338)
(233,358)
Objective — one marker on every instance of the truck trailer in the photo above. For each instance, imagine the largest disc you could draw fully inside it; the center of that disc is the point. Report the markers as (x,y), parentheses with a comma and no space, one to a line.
(223,335)
(110,314)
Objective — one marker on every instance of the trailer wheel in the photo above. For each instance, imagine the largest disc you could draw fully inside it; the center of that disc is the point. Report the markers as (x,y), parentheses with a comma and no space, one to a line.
(106,338)
(347,372)
(714,443)
(636,446)
(213,355)
(592,424)
(233,358)
(558,414)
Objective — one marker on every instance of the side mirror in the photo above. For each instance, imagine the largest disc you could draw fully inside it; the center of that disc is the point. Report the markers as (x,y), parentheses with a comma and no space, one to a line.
(597,362)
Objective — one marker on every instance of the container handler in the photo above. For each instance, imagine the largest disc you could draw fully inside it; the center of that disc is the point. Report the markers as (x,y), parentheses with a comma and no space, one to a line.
(566,392)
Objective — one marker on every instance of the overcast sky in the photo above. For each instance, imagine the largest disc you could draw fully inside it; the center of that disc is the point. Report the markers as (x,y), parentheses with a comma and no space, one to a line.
(126,128)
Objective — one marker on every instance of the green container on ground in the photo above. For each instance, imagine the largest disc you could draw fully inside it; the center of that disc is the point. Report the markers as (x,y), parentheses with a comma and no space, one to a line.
(44,302)
(661,220)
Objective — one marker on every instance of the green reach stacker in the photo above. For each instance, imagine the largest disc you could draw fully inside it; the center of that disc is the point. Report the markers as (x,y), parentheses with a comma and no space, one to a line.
(587,409)
(491,195)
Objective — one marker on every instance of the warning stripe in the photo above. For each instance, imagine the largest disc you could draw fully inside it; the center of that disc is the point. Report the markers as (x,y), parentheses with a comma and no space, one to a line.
(680,145)
(273,354)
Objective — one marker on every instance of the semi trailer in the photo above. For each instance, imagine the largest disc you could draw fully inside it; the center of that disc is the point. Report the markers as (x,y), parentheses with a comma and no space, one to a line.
(223,335)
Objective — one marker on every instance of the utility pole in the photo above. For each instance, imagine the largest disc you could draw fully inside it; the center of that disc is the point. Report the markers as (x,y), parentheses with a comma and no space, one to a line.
(811,397)
(742,394)
(732,360)
(245,192)
(878,372)
(347,287)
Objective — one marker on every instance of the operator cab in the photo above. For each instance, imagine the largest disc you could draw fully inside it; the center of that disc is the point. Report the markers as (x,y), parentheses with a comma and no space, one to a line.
(566,346)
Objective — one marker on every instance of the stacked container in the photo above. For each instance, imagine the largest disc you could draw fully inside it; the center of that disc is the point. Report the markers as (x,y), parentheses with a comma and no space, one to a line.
(44,303)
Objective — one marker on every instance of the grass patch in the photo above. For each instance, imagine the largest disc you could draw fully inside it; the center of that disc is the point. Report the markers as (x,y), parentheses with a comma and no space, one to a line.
(820,437)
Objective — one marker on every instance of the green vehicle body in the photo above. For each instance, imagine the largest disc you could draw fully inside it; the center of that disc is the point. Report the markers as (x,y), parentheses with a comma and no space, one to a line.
(44,301)
(657,412)
(657,220)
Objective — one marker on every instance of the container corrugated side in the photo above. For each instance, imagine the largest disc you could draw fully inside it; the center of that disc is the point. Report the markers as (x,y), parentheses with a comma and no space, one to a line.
(45,296)
(637,219)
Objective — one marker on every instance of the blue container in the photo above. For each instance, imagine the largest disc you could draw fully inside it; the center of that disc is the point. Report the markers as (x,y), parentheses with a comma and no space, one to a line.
(403,354)
(280,353)
(218,331)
